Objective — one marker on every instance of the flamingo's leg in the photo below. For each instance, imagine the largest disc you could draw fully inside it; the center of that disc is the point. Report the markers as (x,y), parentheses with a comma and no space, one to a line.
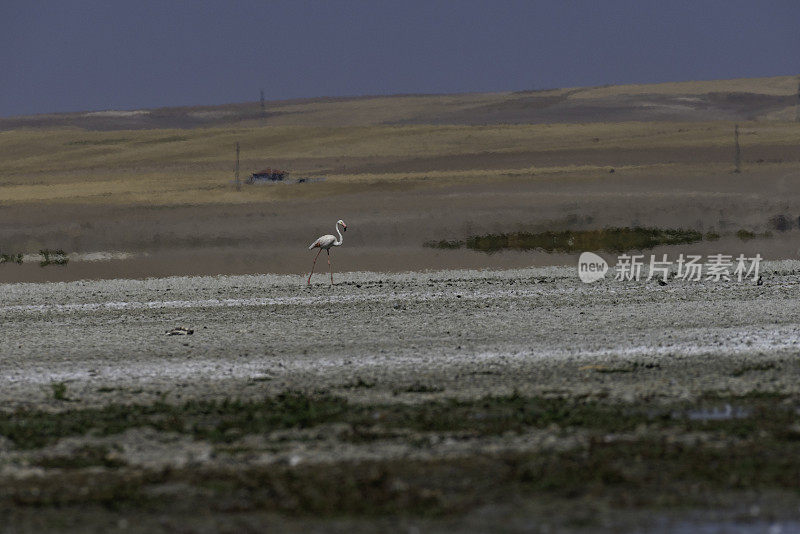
(314,265)
(330,269)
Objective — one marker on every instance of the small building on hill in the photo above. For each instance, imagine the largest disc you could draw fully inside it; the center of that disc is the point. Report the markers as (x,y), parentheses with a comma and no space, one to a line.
(267,175)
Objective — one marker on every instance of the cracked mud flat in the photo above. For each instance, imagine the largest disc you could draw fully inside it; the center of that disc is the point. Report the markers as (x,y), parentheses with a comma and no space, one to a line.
(431,400)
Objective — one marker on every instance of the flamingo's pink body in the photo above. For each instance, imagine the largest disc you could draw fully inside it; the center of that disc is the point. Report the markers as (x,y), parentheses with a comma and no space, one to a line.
(325,242)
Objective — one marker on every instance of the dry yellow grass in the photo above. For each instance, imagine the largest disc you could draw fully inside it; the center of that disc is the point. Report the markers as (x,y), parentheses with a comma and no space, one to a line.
(195,166)
(776,85)
(349,142)
(377,110)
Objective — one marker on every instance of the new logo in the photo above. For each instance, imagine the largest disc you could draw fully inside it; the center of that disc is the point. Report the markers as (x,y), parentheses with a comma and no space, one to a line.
(591,267)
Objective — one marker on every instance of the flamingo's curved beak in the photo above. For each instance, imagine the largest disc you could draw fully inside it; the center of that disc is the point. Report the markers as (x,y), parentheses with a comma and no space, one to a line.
(344,228)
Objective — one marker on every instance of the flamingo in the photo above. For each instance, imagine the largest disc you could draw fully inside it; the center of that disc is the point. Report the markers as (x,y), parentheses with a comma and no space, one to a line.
(325,242)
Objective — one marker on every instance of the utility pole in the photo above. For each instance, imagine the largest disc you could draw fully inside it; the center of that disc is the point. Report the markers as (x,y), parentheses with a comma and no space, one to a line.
(263,105)
(737,155)
(797,104)
(236,169)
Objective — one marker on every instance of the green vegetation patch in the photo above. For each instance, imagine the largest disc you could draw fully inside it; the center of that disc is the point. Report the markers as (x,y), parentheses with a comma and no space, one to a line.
(623,473)
(211,420)
(227,420)
(754,368)
(59,391)
(608,239)
(86,456)
(11,258)
(623,454)
(53,257)
(614,240)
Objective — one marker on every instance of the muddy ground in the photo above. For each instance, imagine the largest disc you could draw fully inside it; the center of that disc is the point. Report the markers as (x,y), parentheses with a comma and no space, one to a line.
(446,400)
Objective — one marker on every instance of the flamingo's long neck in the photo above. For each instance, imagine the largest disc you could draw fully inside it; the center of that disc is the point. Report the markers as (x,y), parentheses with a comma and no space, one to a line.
(337,243)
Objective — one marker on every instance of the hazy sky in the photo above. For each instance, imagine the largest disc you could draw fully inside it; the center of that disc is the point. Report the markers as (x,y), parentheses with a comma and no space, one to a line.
(106,54)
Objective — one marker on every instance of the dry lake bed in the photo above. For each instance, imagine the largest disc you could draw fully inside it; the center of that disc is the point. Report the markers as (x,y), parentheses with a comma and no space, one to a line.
(515,400)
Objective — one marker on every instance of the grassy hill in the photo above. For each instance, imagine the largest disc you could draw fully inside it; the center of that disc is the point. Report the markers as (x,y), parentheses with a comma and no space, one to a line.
(185,155)
(738,99)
